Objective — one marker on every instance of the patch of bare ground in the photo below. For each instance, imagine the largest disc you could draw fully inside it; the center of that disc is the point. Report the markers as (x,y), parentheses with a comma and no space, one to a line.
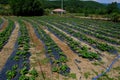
(78,68)
(9,47)
(5,23)
(38,59)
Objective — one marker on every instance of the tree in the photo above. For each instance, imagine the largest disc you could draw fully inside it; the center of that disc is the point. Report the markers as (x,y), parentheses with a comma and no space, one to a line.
(3,1)
(115,17)
(26,8)
(113,7)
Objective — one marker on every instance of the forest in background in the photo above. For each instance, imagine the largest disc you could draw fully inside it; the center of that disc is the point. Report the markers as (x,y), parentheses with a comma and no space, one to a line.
(44,7)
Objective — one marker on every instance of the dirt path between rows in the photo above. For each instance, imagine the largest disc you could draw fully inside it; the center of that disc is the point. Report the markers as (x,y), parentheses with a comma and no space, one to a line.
(4,25)
(38,55)
(84,65)
(8,48)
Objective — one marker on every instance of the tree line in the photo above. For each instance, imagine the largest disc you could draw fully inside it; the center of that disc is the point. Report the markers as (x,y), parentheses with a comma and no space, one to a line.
(37,7)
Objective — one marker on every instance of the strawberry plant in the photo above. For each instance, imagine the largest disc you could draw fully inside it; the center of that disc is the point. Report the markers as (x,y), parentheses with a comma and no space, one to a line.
(10,74)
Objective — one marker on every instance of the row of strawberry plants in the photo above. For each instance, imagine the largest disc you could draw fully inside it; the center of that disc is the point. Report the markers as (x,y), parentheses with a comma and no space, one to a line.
(88,22)
(56,56)
(74,45)
(17,65)
(85,24)
(88,31)
(100,24)
(97,25)
(24,54)
(4,35)
(99,45)
(98,30)
(92,33)
(103,26)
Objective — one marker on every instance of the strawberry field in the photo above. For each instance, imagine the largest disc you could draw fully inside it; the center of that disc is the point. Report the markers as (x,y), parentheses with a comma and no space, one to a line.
(59,48)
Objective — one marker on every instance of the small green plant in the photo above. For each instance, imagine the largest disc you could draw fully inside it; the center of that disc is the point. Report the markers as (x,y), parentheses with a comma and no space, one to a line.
(44,61)
(16,58)
(87,74)
(14,67)
(26,47)
(32,78)
(98,63)
(72,75)
(63,59)
(63,69)
(10,74)
(55,69)
(23,71)
(25,63)
(23,77)
(33,72)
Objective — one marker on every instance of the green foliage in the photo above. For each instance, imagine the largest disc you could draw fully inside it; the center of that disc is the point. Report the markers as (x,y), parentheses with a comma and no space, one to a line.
(63,67)
(55,69)
(113,7)
(5,9)
(105,47)
(117,68)
(72,75)
(14,67)
(3,1)
(4,35)
(63,59)
(32,78)
(23,71)
(10,74)
(26,8)
(33,72)
(90,55)
(87,74)
(16,58)
(76,6)
(23,77)
(115,17)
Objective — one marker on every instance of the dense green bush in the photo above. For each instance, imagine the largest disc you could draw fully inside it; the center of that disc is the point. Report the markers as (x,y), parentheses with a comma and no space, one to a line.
(115,17)
(26,8)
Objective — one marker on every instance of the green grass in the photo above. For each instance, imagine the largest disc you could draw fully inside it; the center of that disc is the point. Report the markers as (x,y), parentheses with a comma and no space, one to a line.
(72,75)
(95,72)
(117,68)
(44,61)
(98,63)
(87,74)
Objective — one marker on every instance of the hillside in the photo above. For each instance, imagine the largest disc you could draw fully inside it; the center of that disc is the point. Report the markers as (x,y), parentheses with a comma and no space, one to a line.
(105,4)
(3,1)
(76,6)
